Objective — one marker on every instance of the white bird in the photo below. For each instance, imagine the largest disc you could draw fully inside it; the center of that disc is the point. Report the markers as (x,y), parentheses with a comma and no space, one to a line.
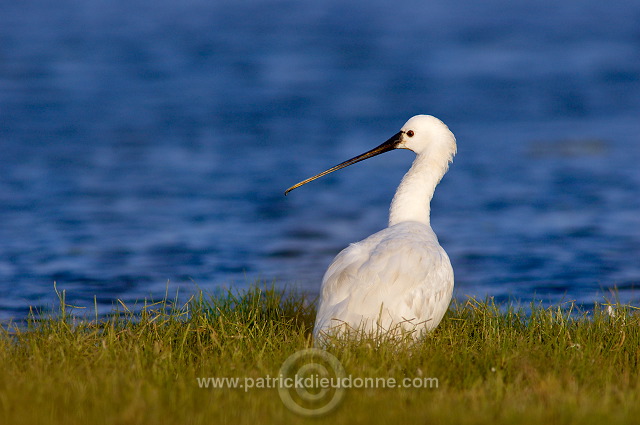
(399,279)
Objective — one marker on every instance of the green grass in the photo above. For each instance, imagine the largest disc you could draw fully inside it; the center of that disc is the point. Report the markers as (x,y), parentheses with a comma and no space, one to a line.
(493,365)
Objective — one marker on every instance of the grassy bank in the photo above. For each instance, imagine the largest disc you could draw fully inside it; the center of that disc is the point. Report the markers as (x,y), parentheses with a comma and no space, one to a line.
(490,365)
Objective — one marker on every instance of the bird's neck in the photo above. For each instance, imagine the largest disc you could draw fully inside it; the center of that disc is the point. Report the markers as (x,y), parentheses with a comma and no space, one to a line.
(412,201)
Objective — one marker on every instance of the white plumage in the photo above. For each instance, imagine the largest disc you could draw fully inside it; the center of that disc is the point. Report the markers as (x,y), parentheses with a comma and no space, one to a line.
(400,278)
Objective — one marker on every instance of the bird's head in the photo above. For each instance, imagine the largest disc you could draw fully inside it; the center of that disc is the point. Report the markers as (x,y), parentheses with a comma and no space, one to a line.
(422,134)
(427,134)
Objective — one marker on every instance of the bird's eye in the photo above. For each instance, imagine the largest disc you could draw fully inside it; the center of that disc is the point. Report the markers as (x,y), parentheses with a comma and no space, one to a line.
(410,133)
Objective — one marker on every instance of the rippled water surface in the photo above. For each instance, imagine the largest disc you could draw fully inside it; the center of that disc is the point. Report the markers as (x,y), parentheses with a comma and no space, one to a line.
(150,142)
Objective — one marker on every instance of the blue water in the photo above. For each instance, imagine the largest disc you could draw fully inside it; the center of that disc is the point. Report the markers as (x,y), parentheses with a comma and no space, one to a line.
(146,142)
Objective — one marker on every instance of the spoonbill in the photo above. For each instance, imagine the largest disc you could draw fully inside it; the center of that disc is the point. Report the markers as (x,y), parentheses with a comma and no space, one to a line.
(398,280)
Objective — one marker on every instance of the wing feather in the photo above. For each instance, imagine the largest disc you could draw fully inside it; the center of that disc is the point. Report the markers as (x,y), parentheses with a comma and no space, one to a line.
(398,275)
